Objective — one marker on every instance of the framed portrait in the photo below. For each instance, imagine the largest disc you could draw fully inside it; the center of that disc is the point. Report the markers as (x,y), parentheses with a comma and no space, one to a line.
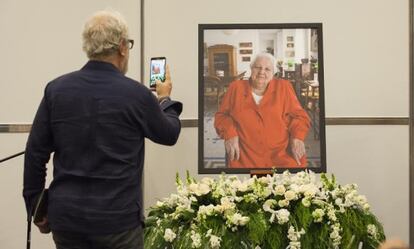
(247,124)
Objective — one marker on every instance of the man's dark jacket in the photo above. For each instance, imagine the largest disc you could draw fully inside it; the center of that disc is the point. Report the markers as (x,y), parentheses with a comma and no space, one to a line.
(95,121)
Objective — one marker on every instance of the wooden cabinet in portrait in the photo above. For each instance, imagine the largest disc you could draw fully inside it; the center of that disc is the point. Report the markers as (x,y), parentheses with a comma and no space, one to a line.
(222,60)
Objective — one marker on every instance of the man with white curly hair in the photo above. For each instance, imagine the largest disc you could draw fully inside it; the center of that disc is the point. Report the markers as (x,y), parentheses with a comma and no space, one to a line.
(95,121)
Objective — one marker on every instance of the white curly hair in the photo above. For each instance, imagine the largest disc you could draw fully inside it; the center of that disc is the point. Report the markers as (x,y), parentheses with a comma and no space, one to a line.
(103,32)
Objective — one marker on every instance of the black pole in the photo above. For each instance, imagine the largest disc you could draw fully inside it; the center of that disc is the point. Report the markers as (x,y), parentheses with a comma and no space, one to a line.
(12,156)
(29,231)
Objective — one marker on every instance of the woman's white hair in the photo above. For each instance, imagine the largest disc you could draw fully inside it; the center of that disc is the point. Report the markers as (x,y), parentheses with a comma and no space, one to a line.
(103,33)
(265,55)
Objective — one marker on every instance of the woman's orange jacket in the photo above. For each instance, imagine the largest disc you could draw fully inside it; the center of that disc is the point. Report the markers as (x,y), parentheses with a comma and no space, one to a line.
(264,130)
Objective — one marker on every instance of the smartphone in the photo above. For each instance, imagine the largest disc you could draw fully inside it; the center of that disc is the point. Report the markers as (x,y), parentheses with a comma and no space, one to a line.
(157,70)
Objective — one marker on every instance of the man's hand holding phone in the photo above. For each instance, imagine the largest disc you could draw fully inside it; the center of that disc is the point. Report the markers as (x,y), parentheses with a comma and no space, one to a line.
(164,88)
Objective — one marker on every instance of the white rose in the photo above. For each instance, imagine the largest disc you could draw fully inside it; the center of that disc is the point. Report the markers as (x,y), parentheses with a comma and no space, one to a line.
(203,189)
(268,205)
(193,187)
(226,204)
(306,202)
(280,190)
(244,186)
(207,180)
(290,195)
(338,201)
(282,216)
(283,203)
(334,234)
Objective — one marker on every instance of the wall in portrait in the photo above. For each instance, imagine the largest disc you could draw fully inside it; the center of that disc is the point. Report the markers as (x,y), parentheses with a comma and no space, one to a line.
(222,61)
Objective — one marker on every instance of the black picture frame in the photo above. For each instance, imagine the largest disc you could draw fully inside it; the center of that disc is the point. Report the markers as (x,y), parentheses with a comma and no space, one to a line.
(211,92)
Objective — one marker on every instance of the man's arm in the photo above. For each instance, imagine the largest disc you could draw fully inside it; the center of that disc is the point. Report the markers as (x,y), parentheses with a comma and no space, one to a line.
(161,121)
(37,154)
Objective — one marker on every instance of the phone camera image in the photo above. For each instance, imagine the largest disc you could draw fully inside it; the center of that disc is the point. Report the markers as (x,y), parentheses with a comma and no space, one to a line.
(157,70)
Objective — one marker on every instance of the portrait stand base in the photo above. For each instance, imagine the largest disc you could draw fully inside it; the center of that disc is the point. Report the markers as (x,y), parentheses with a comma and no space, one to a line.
(260,172)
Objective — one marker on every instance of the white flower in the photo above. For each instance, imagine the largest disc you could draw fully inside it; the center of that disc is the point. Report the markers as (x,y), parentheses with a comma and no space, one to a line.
(361,199)
(294,237)
(306,202)
(243,187)
(331,214)
(199,189)
(335,234)
(169,235)
(282,216)
(204,211)
(207,180)
(338,201)
(236,219)
(372,231)
(268,205)
(283,203)
(215,242)
(196,238)
(280,190)
(290,195)
(318,215)
(226,205)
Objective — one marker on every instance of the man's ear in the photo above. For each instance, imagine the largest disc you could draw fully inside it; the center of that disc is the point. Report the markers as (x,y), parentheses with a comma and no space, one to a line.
(123,48)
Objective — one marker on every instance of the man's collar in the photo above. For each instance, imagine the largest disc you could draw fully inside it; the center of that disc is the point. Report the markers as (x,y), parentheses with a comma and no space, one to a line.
(100,65)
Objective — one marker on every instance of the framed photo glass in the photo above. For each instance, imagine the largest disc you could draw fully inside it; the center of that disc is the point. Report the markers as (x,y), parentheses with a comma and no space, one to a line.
(261,98)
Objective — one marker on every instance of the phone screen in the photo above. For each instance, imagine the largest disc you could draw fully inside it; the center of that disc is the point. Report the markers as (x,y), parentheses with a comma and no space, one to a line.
(157,70)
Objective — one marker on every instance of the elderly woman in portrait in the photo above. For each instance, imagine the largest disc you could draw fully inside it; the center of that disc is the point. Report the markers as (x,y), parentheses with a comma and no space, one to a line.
(261,121)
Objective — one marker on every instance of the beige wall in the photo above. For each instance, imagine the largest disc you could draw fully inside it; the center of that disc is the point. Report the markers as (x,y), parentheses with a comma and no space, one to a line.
(366,74)
(366,48)
(40,40)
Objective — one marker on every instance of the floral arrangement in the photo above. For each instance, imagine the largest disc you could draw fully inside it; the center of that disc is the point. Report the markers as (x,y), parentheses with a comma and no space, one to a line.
(279,211)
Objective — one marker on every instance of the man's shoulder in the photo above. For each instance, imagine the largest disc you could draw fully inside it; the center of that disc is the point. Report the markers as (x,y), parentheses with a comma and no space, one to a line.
(79,76)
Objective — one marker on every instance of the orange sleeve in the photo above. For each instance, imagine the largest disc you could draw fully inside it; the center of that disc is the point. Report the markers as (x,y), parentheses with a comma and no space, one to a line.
(223,122)
(298,119)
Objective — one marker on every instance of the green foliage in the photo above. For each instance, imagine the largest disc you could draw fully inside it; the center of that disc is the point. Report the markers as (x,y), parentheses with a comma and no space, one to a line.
(182,215)
(258,227)
(274,240)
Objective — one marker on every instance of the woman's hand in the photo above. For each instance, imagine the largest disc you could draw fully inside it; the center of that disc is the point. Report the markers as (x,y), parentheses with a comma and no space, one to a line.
(297,147)
(232,148)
